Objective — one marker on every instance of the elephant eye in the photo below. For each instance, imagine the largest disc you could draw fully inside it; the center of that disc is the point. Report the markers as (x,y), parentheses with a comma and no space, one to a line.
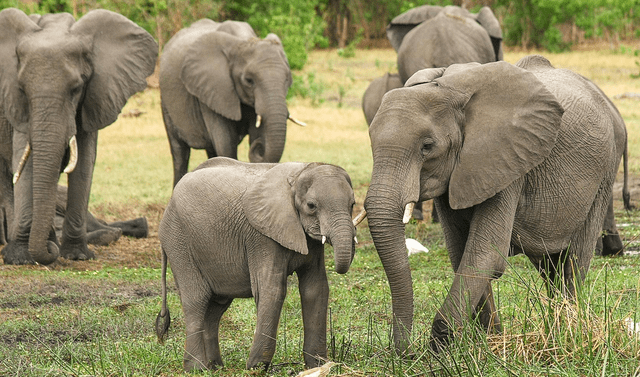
(249,81)
(312,206)
(427,146)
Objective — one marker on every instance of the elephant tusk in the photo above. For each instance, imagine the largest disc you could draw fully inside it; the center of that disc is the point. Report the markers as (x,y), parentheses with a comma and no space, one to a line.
(258,120)
(23,162)
(324,239)
(73,155)
(299,123)
(355,238)
(358,219)
(408,211)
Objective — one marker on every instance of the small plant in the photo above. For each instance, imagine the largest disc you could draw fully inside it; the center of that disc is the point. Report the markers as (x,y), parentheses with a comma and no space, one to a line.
(636,75)
(350,50)
(308,88)
(341,92)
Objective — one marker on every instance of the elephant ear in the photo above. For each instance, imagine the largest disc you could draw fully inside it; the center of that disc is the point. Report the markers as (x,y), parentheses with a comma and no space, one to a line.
(403,23)
(424,76)
(490,23)
(206,73)
(511,125)
(13,23)
(269,206)
(123,56)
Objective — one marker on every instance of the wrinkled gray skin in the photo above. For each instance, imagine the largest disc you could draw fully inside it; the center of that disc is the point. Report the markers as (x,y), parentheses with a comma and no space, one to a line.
(432,36)
(60,78)
(610,243)
(519,159)
(235,229)
(214,79)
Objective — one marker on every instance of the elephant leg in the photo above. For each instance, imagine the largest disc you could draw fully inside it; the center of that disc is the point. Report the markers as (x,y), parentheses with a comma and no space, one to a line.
(434,213)
(194,307)
(487,313)
(222,132)
(211,153)
(137,228)
(17,249)
(417,211)
(180,151)
(610,243)
(550,269)
(74,233)
(99,233)
(215,310)
(269,294)
(314,296)
(6,201)
(483,260)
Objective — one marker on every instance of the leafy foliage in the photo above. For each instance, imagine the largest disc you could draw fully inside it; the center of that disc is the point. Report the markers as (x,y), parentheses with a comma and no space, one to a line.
(296,23)
(535,22)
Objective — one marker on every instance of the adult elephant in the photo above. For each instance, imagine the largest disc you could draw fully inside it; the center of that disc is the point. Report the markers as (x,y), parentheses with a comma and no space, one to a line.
(62,81)
(219,84)
(519,159)
(433,36)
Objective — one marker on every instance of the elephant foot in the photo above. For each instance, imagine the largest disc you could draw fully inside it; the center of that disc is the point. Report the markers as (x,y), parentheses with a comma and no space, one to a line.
(609,244)
(104,237)
(75,251)
(262,365)
(17,254)
(191,365)
(440,335)
(137,228)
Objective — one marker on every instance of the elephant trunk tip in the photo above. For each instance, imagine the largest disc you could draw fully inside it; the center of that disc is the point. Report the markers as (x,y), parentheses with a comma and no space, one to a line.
(49,256)
(342,269)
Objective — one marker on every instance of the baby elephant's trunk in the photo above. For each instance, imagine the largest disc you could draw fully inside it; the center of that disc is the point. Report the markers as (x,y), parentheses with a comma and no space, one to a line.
(163,320)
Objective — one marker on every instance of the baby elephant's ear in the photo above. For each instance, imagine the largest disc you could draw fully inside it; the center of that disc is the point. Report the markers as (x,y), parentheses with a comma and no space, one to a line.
(269,207)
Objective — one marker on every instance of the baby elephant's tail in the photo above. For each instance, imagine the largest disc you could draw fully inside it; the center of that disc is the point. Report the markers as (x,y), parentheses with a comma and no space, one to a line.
(163,320)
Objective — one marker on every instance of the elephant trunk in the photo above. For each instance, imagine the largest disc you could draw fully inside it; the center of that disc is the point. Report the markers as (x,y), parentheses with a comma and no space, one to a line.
(49,146)
(272,131)
(385,208)
(342,239)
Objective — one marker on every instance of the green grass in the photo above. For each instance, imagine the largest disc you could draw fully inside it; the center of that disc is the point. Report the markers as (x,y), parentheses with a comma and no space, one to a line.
(97,317)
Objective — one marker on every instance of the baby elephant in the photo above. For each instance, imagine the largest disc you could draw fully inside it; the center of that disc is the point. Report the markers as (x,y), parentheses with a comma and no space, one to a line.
(234,229)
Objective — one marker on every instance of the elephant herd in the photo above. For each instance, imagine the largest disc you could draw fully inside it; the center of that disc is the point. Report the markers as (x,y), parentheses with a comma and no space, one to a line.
(518,159)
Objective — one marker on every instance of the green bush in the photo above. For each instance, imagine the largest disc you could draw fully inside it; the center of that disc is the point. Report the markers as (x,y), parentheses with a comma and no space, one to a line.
(295,22)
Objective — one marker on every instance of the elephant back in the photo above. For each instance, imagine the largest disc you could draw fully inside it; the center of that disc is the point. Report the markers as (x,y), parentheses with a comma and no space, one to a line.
(442,41)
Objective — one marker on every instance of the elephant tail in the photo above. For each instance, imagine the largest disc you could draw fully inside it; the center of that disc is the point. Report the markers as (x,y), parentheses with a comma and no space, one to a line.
(163,320)
(626,196)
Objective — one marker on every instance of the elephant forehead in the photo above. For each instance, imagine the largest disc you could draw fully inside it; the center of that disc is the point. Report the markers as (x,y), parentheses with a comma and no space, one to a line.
(50,44)
(407,106)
